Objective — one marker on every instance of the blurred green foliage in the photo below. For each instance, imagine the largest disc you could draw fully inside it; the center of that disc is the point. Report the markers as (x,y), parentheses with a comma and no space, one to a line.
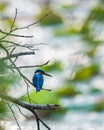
(7,79)
(7,21)
(88,33)
(3,109)
(2,127)
(3,6)
(95,18)
(91,51)
(67,91)
(95,90)
(3,66)
(66,31)
(67,6)
(53,19)
(87,72)
(98,13)
(55,66)
(99,106)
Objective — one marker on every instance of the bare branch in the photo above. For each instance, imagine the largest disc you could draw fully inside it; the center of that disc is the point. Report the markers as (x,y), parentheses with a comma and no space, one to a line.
(14,116)
(7,41)
(18,45)
(39,119)
(22,112)
(27,105)
(17,55)
(4,91)
(46,15)
(23,36)
(12,50)
(14,35)
(15,67)
(9,52)
(28,91)
(31,107)
(24,77)
(14,20)
(32,66)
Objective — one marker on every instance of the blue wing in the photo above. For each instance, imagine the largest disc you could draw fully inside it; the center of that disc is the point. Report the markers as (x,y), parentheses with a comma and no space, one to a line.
(38,81)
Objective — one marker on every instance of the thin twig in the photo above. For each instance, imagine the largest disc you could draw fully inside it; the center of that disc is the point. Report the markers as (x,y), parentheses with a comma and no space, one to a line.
(19,45)
(23,36)
(14,20)
(12,50)
(21,112)
(39,119)
(46,15)
(28,92)
(32,66)
(4,91)
(15,35)
(6,35)
(14,116)
(24,77)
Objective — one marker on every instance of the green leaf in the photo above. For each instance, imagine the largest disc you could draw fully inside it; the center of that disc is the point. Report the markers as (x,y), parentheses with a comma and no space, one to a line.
(53,19)
(66,31)
(3,5)
(66,91)
(99,106)
(86,73)
(98,13)
(42,97)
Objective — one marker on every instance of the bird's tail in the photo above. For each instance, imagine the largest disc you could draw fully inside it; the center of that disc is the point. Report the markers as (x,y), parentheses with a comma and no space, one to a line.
(37,89)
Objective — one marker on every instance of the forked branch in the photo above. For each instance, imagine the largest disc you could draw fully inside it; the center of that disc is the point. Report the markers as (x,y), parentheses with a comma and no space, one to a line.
(9,56)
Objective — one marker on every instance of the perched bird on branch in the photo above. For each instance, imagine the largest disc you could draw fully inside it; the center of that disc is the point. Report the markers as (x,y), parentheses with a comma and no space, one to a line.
(38,79)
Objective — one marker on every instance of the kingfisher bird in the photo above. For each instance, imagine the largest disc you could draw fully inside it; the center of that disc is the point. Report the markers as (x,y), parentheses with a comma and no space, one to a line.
(38,79)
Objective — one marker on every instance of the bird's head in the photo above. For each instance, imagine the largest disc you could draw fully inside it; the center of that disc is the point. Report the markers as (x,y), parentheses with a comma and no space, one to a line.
(42,72)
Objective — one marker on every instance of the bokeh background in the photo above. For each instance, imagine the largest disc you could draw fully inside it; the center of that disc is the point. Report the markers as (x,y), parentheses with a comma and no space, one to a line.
(72,39)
